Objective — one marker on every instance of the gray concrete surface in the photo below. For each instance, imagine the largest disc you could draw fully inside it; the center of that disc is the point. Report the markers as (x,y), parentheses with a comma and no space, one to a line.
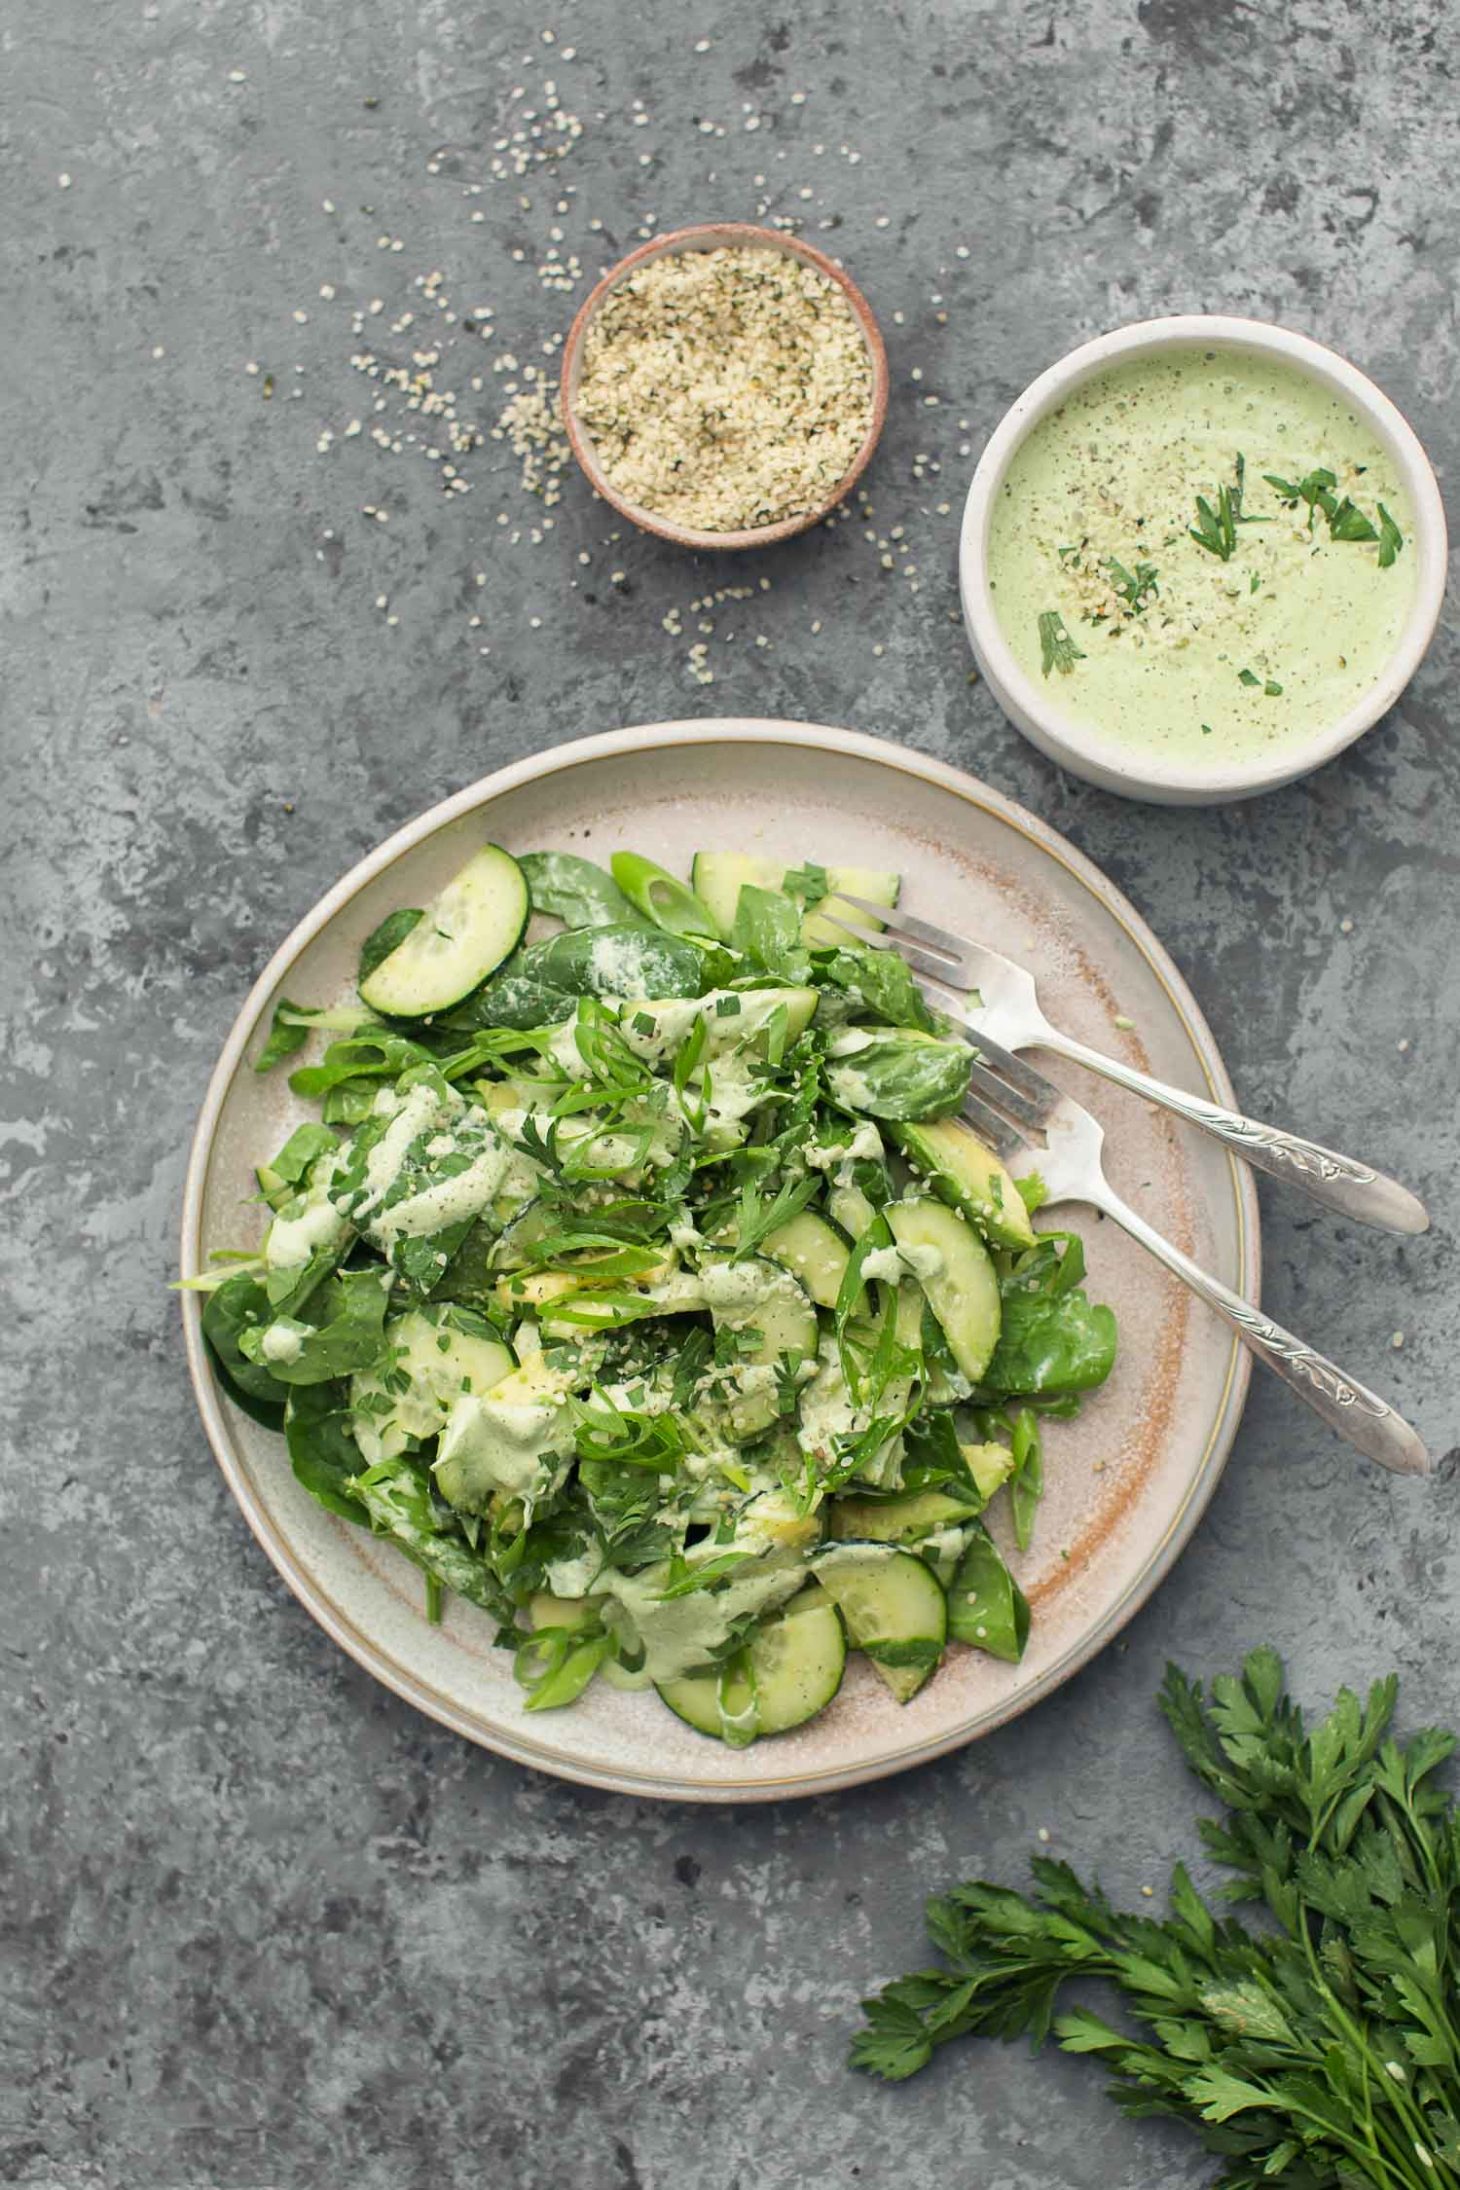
(262,1924)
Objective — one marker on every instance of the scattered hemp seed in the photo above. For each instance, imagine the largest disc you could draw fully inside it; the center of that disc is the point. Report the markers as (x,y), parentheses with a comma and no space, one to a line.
(726,390)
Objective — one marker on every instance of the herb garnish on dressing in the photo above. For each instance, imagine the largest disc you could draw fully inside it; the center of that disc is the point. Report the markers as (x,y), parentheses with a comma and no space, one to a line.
(1203,552)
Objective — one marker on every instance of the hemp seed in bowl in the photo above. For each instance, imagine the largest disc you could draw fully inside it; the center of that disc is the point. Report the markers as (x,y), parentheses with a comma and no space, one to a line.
(725,386)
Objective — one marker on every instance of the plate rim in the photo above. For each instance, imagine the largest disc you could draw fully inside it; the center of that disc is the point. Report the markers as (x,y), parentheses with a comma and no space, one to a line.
(371,1655)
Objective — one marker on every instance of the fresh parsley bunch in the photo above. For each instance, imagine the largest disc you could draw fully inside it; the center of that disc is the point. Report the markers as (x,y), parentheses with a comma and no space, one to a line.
(1317,2052)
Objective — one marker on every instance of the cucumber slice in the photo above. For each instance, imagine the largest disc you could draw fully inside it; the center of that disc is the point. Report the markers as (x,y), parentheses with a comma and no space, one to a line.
(849,1207)
(873,883)
(952,1265)
(719,877)
(463,936)
(894,1609)
(755,1295)
(896,1520)
(790,1669)
(812,1251)
(963,1172)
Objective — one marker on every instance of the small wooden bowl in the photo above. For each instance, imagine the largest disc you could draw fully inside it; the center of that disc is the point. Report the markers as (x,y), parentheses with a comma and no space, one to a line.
(713,236)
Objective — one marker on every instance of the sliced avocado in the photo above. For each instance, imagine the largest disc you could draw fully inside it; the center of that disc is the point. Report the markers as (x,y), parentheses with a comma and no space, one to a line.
(990,1466)
(967,1175)
(432,1355)
(896,1520)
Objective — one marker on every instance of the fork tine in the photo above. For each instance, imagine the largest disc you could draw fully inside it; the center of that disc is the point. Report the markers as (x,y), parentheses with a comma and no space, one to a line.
(920,960)
(1002,1137)
(1013,1069)
(938,939)
(994,1089)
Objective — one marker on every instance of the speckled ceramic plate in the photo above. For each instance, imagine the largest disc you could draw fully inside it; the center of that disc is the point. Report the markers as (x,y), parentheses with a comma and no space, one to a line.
(1127,1481)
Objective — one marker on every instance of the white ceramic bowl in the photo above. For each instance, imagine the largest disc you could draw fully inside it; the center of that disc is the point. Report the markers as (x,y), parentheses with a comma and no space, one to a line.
(1093,754)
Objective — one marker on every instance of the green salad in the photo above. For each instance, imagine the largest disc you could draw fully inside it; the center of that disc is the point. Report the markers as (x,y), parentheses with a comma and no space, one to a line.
(642,1283)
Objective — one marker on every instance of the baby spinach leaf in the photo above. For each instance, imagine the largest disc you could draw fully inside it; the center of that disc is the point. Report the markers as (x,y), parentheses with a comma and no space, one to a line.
(236,1307)
(422,1262)
(986,1607)
(349,1102)
(381,941)
(616,961)
(472,1272)
(575,891)
(901,1075)
(767,932)
(513,1000)
(933,1459)
(347,1332)
(305,1145)
(322,1451)
(1051,1343)
(366,1056)
(288,1033)
(879,982)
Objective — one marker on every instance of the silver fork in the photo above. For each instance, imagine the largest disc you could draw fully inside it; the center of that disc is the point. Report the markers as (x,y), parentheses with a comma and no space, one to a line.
(1017,1110)
(1008,1012)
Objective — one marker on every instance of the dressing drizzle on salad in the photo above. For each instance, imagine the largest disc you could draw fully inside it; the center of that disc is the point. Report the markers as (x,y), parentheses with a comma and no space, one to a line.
(640,1281)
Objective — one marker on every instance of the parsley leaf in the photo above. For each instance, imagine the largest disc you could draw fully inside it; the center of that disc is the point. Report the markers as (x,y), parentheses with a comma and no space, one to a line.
(1348,522)
(810,883)
(1216,529)
(1057,649)
(1133,586)
(1329,2036)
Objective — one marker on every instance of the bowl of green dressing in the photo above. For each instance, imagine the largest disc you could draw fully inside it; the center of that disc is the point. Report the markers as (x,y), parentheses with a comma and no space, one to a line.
(1200,556)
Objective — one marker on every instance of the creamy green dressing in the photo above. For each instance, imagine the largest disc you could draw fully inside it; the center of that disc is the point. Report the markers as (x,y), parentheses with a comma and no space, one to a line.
(1224,658)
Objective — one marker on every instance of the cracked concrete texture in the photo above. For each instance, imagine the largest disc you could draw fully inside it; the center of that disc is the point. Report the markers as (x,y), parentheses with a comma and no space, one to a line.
(264,1925)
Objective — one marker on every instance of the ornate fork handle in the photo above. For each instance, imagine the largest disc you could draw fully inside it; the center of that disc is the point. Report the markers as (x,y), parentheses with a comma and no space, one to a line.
(1355,1188)
(1347,1406)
